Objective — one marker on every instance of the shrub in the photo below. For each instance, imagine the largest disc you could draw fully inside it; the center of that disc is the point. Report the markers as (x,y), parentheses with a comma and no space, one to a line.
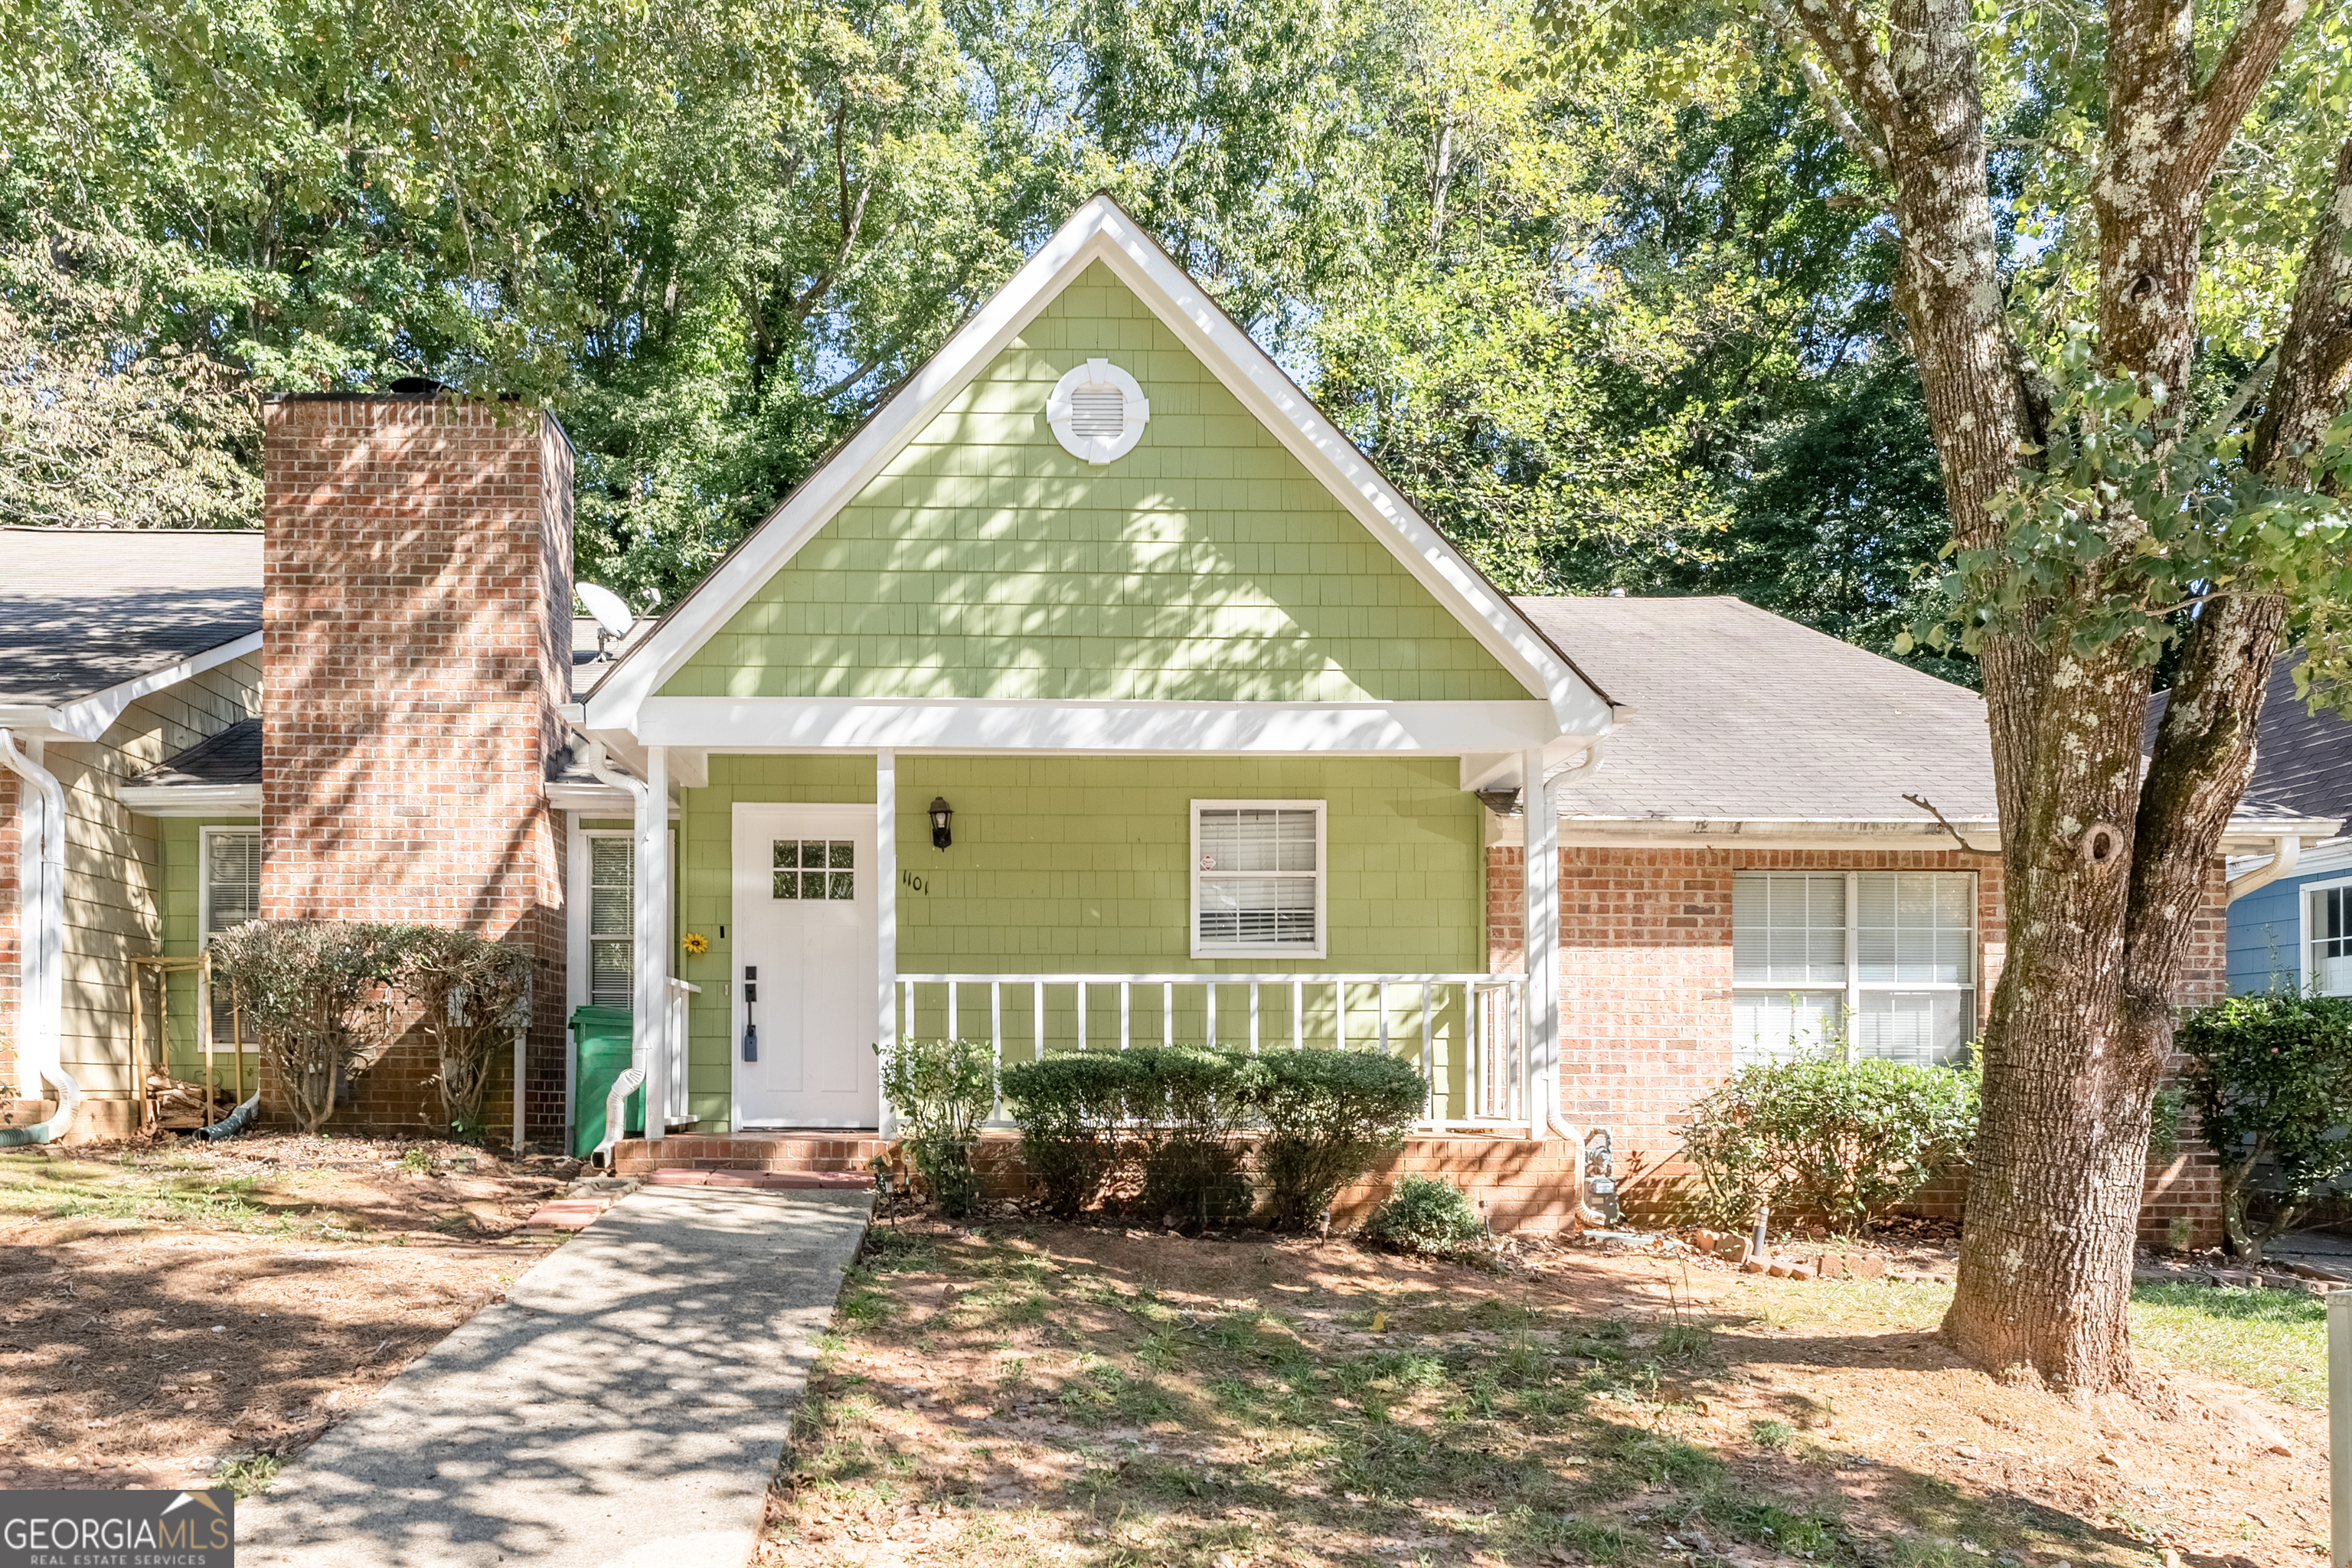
(1072,1110)
(1329,1117)
(1425,1214)
(942,1091)
(474,994)
(313,991)
(2271,1076)
(1819,1133)
(1188,1107)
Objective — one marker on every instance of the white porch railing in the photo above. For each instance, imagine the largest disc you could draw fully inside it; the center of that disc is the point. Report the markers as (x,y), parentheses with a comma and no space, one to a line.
(1478,1077)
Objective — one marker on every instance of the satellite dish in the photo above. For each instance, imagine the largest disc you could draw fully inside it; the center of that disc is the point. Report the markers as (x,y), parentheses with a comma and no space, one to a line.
(610,610)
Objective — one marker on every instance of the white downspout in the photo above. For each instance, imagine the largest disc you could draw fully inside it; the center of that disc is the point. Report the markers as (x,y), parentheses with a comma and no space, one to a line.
(649,1003)
(1546,1114)
(41,919)
(2287,853)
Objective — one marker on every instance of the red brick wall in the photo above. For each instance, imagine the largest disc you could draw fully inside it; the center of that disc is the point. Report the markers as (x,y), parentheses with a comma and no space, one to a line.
(1645,989)
(416,637)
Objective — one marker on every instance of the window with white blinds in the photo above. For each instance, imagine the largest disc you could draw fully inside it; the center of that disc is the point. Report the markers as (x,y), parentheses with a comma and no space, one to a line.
(1257,879)
(232,887)
(612,903)
(2329,915)
(1879,964)
(229,895)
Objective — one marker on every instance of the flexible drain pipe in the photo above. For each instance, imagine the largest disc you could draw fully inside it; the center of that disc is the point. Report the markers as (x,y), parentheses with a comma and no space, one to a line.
(616,1113)
(40,1034)
(60,1122)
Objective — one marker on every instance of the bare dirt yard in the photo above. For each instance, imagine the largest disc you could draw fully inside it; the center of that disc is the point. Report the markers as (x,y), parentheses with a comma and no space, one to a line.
(173,1312)
(1017,1394)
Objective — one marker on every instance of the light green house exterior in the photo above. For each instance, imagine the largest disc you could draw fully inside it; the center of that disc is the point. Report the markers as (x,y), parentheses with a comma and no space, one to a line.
(1074,623)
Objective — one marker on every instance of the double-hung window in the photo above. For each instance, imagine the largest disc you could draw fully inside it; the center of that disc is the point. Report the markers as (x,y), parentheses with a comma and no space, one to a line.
(1257,879)
(1874,963)
(2328,925)
(612,920)
(228,895)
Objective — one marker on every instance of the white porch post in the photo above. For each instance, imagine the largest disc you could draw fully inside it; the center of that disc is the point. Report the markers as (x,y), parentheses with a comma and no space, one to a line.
(649,1034)
(1540,936)
(886,915)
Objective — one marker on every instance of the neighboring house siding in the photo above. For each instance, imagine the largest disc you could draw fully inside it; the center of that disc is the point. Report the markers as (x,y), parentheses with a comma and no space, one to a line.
(1646,993)
(987,562)
(114,903)
(2266,934)
(1082,864)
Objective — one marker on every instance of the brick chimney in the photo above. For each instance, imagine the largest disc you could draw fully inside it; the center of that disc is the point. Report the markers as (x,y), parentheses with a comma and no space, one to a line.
(417,641)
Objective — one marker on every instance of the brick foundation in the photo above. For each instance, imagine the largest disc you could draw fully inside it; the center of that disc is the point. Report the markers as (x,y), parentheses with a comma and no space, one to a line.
(416,640)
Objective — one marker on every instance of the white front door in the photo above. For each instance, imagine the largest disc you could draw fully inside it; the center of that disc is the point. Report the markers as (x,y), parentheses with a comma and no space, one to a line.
(805,966)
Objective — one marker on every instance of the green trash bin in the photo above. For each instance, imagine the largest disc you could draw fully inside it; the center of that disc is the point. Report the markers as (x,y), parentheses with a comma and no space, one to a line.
(600,1043)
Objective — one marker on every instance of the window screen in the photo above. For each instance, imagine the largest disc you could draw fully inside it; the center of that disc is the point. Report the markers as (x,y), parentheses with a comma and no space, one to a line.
(1259,877)
(612,920)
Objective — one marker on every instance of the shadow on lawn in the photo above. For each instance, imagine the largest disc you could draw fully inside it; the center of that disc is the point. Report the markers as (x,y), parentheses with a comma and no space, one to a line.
(1532,1434)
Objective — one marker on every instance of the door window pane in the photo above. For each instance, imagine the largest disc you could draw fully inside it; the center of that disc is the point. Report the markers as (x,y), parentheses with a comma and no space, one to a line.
(807,869)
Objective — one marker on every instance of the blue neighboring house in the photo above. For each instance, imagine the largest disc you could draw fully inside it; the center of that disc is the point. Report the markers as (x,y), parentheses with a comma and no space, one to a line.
(2291,924)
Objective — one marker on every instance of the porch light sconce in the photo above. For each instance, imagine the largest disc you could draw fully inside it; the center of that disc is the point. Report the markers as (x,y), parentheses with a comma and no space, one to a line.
(941,815)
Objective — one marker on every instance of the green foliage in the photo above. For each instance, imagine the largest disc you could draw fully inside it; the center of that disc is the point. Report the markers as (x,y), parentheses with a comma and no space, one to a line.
(2138,511)
(473,995)
(1329,1117)
(941,1088)
(942,1091)
(1188,1107)
(1072,1111)
(314,993)
(1817,1133)
(1426,1216)
(2271,1078)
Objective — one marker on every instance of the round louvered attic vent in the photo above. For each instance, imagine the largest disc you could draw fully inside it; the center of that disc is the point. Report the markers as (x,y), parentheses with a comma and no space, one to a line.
(1097,411)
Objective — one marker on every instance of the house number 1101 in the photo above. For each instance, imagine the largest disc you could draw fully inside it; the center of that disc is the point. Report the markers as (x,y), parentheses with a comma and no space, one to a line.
(909,880)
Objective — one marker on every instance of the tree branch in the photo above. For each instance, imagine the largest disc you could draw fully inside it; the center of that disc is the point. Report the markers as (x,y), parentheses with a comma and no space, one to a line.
(2229,93)
(1843,36)
(2307,390)
(1858,137)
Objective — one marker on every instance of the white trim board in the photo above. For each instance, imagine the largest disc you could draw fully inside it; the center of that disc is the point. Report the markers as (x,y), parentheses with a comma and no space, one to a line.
(88,718)
(1102,231)
(191,800)
(1298,729)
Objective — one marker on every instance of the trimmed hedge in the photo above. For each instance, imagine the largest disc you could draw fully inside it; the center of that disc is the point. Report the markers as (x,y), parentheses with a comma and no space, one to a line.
(1164,1130)
(1329,1117)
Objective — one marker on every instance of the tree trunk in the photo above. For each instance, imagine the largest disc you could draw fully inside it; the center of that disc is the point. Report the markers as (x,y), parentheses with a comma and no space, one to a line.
(2104,875)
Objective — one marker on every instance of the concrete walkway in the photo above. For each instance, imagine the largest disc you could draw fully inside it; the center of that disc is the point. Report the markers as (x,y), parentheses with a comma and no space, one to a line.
(626,1404)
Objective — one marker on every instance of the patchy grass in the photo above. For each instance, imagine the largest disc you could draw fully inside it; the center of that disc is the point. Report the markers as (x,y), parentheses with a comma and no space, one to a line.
(2276,1341)
(1050,1394)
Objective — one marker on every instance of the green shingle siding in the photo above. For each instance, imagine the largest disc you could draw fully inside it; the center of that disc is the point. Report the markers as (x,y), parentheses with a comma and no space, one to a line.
(986,561)
(1082,864)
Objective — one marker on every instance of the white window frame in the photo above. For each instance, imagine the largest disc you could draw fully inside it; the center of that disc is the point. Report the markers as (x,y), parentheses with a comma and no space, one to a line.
(2304,976)
(204,836)
(1322,944)
(588,934)
(1854,988)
